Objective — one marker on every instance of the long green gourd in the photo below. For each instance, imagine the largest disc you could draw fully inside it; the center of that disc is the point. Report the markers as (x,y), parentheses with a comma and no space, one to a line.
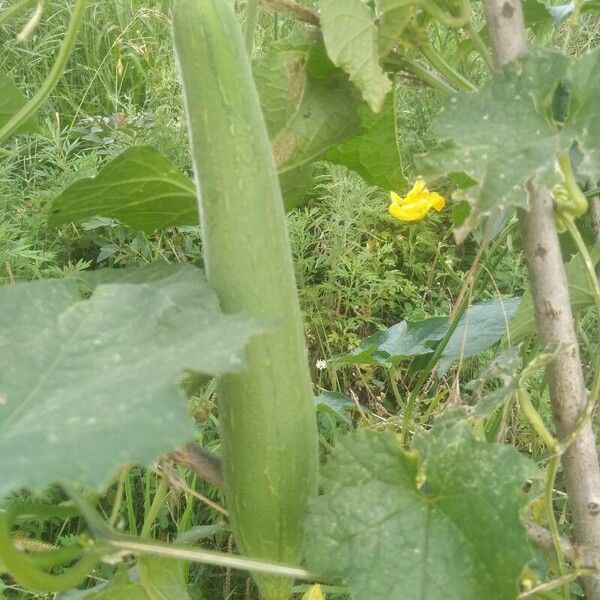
(267,419)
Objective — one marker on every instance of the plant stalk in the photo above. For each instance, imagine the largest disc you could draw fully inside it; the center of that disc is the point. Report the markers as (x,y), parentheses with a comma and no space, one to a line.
(554,319)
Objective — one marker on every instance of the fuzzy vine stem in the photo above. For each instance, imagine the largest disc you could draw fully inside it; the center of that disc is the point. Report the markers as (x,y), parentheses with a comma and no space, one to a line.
(21,116)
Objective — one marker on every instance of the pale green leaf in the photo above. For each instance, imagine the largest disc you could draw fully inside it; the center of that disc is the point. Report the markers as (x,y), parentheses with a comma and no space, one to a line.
(163,578)
(395,526)
(305,115)
(501,135)
(351,41)
(95,382)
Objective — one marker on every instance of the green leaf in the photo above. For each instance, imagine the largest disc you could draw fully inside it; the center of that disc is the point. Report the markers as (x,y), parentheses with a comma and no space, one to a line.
(482,326)
(351,41)
(163,578)
(374,155)
(336,404)
(396,526)
(140,187)
(478,135)
(11,101)
(95,382)
(522,324)
(479,328)
(305,115)
(399,342)
(120,588)
(392,16)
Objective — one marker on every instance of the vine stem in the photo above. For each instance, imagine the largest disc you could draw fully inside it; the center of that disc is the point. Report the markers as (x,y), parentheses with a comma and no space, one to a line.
(438,61)
(479,45)
(554,319)
(209,557)
(18,119)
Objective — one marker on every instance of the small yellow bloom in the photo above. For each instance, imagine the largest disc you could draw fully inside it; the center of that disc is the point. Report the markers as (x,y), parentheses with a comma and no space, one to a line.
(314,593)
(417,203)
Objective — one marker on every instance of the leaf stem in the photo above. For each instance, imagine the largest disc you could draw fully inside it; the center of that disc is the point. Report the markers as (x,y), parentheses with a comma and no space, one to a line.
(479,45)
(21,116)
(210,557)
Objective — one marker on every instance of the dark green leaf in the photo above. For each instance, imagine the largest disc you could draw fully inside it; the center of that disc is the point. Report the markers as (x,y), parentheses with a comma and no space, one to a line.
(374,155)
(12,100)
(482,326)
(95,382)
(140,187)
(352,44)
(336,404)
(401,341)
(396,527)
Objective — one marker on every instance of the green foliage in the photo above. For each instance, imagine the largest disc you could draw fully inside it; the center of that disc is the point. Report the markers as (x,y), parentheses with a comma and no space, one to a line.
(441,523)
(11,100)
(101,380)
(517,99)
(139,187)
(351,40)
(482,326)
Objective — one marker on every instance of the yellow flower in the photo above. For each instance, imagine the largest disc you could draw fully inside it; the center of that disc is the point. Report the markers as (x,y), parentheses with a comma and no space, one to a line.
(314,593)
(417,203)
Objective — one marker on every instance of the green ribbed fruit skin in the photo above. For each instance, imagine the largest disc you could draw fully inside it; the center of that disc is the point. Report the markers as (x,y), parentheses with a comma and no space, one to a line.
(267,416)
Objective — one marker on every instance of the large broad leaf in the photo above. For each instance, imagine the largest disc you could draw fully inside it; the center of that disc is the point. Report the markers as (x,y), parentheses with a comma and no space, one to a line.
(94,382)
(399,342)
(482,326)
(374,155)
(351,40)
(395,527)
(505,132)
(140,187)
(581,296)
(11,100)
(305,114)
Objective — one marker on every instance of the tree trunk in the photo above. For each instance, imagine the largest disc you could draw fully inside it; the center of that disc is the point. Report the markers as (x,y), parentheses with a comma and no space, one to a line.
(554,319)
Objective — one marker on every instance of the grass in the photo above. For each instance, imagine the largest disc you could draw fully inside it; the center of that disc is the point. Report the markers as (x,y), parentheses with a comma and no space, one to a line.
(358,270)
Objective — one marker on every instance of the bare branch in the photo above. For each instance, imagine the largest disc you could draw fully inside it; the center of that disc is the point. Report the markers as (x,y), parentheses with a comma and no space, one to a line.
(201,462)
(294,10)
